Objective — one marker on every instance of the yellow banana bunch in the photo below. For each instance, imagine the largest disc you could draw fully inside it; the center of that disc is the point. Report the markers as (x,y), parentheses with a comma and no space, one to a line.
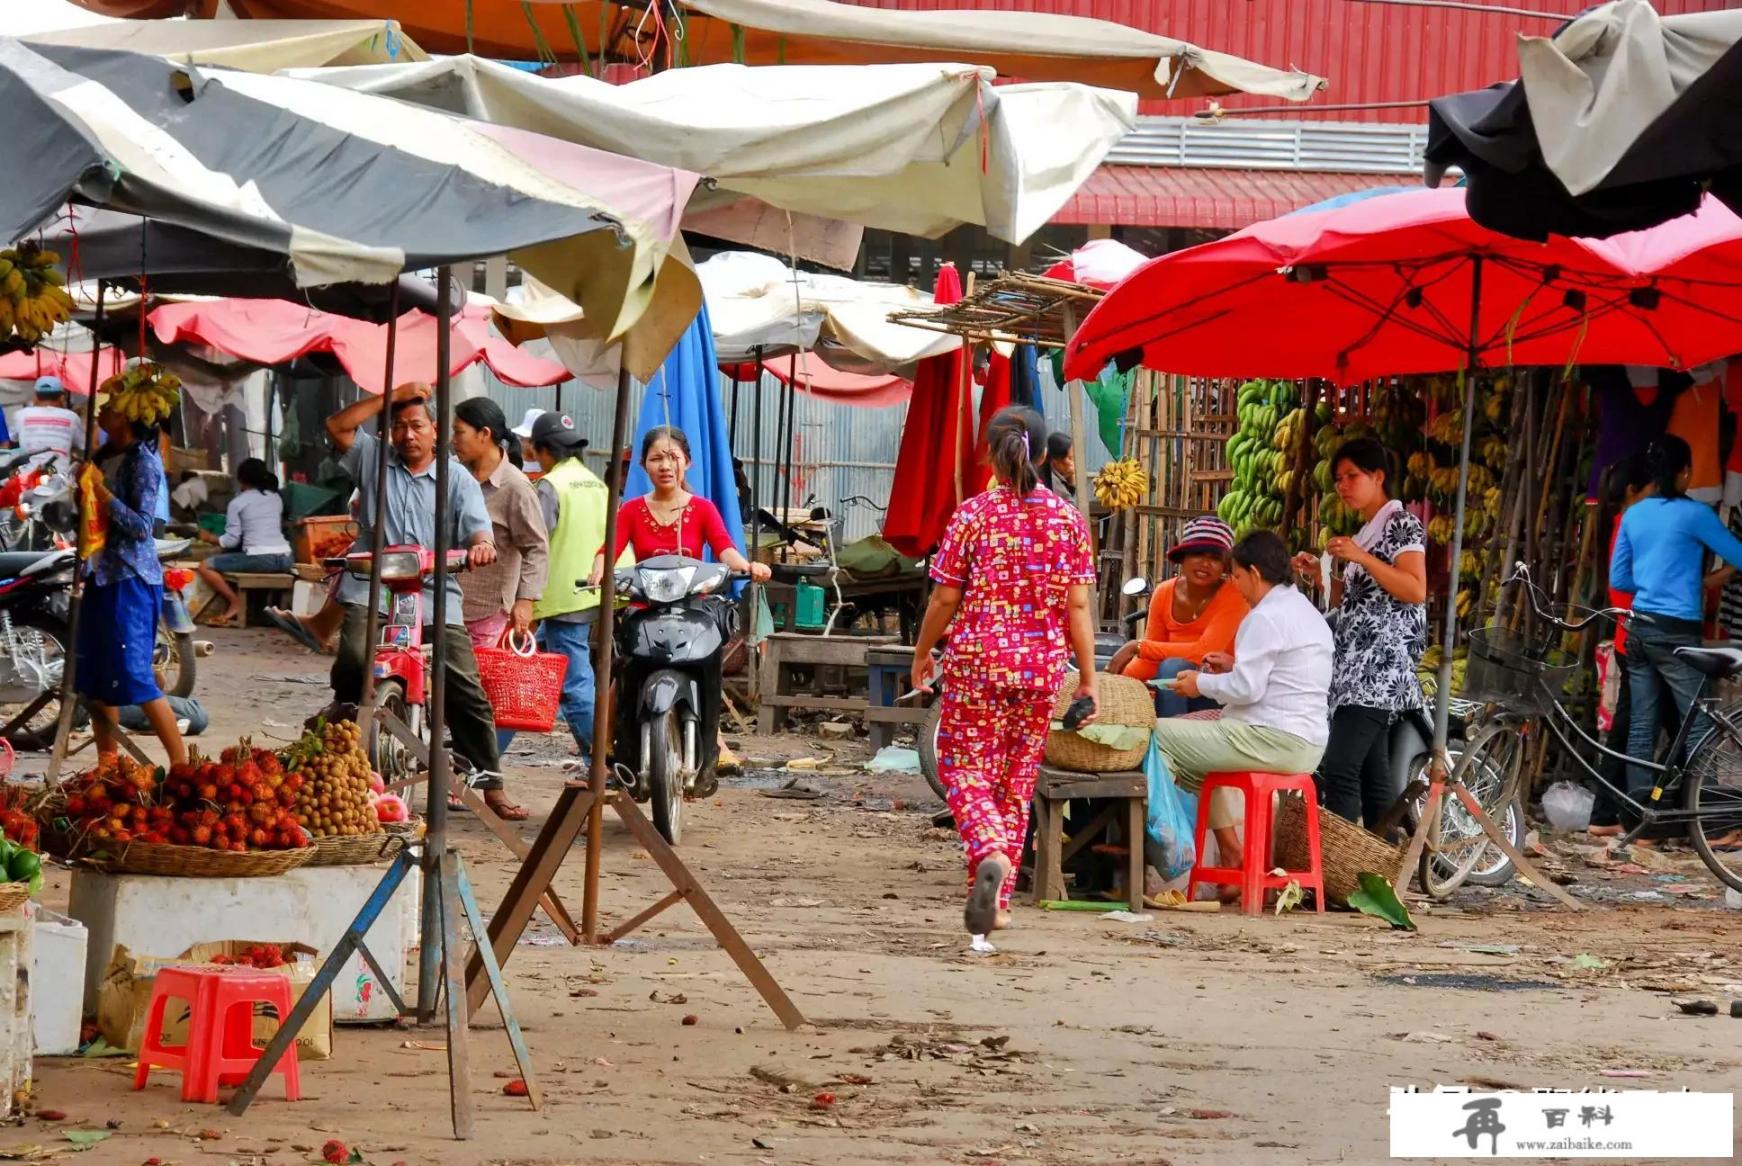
(1121,484)
(1440,528)
(145,393)
(32,293)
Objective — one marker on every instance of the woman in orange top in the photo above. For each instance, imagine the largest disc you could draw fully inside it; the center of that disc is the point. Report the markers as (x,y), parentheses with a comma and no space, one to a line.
(1192,616)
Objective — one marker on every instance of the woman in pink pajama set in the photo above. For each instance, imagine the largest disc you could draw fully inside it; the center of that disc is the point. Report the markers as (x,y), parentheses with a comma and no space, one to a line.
(1014,568)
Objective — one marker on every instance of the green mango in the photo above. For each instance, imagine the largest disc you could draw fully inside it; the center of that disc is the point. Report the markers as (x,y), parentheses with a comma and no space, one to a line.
(24,866)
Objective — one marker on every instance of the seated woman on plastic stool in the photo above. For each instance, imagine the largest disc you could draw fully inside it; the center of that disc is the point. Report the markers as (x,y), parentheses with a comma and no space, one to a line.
(1193,617)
(1273,697)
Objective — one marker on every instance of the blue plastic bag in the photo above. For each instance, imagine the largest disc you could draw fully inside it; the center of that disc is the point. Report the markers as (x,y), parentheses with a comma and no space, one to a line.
(1171,820)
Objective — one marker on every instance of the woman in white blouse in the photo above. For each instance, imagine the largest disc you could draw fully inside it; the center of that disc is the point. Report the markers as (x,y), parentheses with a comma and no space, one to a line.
(253,541)
(1273,691)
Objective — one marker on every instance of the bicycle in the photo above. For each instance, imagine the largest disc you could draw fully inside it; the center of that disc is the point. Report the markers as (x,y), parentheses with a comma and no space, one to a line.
(1520,683)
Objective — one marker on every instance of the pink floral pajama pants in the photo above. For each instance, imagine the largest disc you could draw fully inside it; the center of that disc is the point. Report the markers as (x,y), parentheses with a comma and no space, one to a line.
(990,742)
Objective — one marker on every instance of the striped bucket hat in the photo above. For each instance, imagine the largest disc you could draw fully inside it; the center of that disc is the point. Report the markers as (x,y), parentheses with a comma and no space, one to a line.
(1207,534)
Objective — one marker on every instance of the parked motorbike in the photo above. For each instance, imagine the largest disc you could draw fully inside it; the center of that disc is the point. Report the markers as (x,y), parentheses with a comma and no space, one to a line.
(402,659)
(667,682)
(44,518)
(35,600)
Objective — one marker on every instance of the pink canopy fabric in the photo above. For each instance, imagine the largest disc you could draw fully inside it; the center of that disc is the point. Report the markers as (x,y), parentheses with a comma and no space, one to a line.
(823,380)
(74,370)
(1386,286)
(276,331)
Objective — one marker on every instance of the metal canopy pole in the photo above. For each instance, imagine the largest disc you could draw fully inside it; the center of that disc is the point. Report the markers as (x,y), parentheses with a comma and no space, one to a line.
(372,624)
(602,710)
(64,726)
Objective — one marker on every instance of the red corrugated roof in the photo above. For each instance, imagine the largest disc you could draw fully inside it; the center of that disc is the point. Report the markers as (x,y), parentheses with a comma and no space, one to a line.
(1370,52)
(1175,196)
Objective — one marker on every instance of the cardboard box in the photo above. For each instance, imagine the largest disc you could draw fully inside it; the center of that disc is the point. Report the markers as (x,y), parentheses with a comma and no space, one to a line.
(124,997)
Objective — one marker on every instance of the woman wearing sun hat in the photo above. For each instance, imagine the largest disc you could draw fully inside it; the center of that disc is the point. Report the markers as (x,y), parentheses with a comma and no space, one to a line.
(1192,616)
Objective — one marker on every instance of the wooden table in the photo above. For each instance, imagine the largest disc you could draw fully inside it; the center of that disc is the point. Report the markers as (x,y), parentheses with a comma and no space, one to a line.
(784,651)
(906,593)
(886,677)
(1128,792)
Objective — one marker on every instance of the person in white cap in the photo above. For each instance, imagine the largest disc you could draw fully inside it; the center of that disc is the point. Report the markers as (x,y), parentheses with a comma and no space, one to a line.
(524,430)
(48,426)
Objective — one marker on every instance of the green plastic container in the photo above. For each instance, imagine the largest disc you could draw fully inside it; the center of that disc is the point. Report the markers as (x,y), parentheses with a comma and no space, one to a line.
(808,599)
(214,523)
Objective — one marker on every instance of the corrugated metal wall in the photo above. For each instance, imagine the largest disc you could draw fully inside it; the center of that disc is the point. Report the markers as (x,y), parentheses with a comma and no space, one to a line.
(838,451)
(1371,52)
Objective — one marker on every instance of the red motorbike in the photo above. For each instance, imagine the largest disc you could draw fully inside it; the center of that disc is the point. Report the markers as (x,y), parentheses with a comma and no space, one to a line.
(402,659)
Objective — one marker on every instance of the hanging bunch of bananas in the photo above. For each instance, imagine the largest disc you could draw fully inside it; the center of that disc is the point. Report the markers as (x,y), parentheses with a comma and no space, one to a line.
(1121,484)
(1258,453)
(1428,671)
(145,393)
(33,297)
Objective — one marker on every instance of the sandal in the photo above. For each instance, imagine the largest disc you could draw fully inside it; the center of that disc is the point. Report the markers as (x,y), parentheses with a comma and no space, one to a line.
(503,808)
(226,619)
(287,623)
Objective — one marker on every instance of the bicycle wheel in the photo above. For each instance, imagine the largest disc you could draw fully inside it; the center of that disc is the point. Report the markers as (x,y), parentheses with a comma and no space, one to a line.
(1457,846)
(1713,795)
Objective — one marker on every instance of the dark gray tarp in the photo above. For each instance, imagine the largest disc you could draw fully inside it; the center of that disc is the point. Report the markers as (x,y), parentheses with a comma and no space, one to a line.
(1619,121)
(342,187)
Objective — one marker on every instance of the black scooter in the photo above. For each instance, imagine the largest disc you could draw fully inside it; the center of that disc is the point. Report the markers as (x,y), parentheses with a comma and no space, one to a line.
(670,648)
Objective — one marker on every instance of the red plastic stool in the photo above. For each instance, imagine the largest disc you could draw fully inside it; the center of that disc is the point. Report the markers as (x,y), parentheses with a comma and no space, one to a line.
(220,1047)
(1253,875)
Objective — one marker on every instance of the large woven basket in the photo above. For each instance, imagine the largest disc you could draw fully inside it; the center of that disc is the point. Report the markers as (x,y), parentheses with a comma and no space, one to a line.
(353,849)
(1124,701)
(197,862)
(1345,849)
(13,896)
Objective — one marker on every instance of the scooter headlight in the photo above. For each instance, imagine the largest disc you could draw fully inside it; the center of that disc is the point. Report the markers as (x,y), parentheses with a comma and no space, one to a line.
(400,567)
(667,586)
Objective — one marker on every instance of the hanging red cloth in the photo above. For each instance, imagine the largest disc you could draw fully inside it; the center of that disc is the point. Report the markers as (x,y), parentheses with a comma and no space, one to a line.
(933,442)
(995,394)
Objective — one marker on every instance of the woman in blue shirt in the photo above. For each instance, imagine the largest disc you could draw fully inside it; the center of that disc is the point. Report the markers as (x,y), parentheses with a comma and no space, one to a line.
(1660,558)
(123,591)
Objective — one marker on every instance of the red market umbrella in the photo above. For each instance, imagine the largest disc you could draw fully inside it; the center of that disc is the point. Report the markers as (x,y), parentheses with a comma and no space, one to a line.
(272,332)
(1409,283)
(934,441)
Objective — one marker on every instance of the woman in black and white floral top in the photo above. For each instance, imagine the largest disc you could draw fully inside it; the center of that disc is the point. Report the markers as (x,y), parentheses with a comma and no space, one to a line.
(1381,630)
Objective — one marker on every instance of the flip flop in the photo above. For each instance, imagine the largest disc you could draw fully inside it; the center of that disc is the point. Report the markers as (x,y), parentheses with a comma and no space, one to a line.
(506,810)
(292,627)
(980,916)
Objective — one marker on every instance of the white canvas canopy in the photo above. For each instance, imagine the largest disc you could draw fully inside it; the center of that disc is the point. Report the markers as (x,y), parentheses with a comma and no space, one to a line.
(919,148)
(756,305)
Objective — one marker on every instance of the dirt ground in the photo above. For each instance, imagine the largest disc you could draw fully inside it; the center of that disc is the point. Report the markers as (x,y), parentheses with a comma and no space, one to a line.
(1180,1038)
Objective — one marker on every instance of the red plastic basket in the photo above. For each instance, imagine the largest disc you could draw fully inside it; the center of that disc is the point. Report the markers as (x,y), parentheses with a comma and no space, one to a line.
(524,688)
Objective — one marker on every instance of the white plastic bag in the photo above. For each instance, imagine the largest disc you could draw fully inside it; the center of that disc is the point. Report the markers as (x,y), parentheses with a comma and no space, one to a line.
(1568,806)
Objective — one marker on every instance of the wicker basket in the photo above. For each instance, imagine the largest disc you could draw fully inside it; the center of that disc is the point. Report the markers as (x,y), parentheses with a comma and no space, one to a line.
(197,862)
(1345,849)
(13,896)
(353,849)
(410,829)
(1124,701)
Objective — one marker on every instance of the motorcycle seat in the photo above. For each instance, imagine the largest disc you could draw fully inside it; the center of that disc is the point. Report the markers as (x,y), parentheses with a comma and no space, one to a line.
(16,563)
(1718,663)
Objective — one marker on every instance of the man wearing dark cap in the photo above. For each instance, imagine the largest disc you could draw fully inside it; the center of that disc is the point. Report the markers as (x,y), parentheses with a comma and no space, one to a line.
(575,507)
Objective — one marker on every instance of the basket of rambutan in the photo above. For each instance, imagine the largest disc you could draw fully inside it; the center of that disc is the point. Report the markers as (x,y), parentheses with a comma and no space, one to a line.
(228,818)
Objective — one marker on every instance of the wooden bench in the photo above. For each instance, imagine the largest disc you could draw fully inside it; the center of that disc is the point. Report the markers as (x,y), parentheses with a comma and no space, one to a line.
(886,674)
(785,651)
(1128,794)
(271,589)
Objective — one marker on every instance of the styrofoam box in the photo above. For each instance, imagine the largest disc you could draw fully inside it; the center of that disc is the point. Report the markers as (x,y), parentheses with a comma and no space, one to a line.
(15,1039)
(57,977)
(153,915)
